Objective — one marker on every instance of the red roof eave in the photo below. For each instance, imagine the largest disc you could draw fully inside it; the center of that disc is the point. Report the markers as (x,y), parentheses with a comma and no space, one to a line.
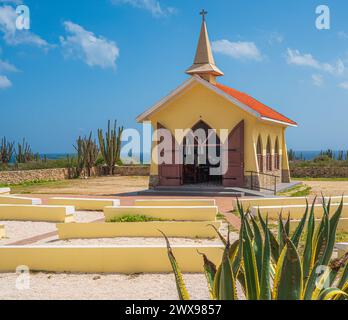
(262,109)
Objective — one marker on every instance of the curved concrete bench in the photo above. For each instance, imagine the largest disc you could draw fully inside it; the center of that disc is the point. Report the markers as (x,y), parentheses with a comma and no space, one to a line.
(164,213)
(19,200)
(186,229)
(341,227)
(262,202)
(175,202)
(84,203)
(17,212)
(5,191)
(2,231)
(335,199)
(106,259)
(296,211)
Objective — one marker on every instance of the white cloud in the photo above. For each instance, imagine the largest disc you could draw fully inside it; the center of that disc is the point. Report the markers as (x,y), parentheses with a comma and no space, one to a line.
(13,36)
(237,50)
(7,67)
(344,85)
(318,80)
(4,82)
(85,45)
(153,6)
(307,60)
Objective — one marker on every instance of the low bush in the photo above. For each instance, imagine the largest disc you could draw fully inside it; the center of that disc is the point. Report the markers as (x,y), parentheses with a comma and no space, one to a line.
(133,218)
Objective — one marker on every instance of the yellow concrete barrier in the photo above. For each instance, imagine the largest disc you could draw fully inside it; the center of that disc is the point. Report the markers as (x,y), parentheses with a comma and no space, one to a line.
(106,259)
(19,200)
(164,213)
(36,213)
(341,227)
(296,212)
(5,191)
(335,199)
(84,203)
(342,248)
(175,202)
(2,231)
(263,202)
(186,229)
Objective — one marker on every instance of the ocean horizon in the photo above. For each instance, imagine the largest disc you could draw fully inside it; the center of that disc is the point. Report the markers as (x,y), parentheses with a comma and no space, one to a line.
(145,157)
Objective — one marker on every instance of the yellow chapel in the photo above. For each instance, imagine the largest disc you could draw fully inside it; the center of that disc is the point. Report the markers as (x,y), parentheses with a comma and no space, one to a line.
(254,141)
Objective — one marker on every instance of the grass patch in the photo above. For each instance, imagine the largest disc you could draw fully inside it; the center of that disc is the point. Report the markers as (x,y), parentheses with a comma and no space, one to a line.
(342,237)
(296,191)
(319,179)
(133,218)
(220,216)
(28,187)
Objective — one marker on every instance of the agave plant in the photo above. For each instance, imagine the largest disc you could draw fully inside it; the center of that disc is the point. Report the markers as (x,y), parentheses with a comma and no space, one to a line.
(270,267)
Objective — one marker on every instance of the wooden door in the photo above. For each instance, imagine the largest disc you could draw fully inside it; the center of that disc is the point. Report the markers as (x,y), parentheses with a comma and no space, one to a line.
(234,177)
(170,174)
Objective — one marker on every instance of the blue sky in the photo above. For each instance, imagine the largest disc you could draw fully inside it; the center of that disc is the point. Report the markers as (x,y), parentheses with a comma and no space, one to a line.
(84,62)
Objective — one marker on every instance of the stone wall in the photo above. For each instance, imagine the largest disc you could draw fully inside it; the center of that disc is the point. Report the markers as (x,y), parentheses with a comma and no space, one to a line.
(319,172)
(16,177)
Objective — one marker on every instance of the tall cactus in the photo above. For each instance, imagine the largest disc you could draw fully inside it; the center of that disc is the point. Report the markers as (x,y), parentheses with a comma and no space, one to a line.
(24,153)
(110,146)
(6,151)
(91,152)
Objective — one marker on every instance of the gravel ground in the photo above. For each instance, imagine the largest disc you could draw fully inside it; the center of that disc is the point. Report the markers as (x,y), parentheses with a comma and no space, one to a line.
(19,230)
(101,287)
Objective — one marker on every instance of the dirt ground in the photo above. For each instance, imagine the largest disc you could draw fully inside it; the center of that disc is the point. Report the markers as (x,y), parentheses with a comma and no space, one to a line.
(328,188)
(119,186)
(101,186)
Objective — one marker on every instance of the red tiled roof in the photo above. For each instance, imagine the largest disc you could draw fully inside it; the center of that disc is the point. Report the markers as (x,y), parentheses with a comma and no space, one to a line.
(252,103)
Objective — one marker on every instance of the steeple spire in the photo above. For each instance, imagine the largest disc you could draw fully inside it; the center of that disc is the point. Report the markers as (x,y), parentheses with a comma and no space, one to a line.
(204,64)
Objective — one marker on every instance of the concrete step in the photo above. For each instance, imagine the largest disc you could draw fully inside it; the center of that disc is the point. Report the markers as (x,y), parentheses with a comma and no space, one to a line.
(189,193)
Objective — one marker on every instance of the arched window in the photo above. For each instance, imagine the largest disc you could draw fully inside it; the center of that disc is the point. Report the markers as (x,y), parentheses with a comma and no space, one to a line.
(259,154)
(276,155)
(269,155)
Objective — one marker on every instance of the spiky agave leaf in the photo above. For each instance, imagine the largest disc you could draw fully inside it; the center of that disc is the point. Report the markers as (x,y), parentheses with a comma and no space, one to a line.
(210,272)
(282,236)
(258,246)
(224,282)
(308,249)
(288,282)
(223,240)
(321,239)
(250,267)
(333,223)
(180,284)
(287,226)
(331,294)
(265,285)
(273,240)
(299,229)
(327,278)
(344,277)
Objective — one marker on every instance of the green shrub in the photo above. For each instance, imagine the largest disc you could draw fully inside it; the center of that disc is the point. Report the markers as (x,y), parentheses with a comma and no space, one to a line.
(133,218)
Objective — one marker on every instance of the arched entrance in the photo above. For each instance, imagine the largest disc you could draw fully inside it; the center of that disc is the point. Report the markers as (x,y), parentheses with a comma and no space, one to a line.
(201,153)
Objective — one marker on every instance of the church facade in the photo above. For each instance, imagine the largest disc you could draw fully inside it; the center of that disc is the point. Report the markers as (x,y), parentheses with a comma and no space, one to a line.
(253,140)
